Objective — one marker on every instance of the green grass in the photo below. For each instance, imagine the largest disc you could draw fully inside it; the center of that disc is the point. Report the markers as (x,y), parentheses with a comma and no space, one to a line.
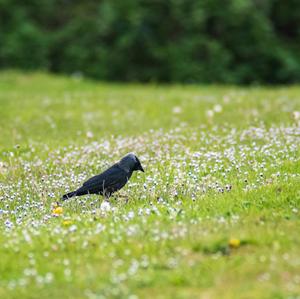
(221,163)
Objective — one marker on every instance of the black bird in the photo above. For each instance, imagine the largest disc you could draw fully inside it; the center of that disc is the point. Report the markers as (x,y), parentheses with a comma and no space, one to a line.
(111,180)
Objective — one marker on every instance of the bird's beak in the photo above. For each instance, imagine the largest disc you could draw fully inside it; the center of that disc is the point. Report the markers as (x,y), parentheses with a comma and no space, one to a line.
(141,168)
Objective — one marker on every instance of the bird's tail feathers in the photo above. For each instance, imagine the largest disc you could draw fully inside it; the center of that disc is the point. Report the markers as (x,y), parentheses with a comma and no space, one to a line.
(69,195)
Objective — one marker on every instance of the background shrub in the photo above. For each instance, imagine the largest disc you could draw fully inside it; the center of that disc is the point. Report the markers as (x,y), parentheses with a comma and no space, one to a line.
(220,41)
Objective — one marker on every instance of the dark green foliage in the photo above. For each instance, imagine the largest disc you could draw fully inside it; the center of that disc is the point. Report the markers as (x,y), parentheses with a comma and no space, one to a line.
(231,41)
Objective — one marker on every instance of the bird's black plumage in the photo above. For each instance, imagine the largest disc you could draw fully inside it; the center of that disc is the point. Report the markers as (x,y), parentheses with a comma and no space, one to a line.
(111,180)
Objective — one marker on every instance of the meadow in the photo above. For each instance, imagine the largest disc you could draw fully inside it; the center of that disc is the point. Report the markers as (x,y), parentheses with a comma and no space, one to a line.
(215,215)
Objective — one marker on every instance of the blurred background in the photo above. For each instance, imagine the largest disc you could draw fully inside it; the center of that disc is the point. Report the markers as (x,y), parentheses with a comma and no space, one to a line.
(187,41)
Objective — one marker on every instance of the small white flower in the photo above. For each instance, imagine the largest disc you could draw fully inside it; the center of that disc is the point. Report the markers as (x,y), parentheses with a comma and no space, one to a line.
(72,228)
(130,215)
(177,110)
(218,108)
(89,134)
(105,206)
(210,113)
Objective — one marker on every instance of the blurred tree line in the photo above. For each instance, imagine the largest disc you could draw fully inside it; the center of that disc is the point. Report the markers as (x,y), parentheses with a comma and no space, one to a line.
(228,41)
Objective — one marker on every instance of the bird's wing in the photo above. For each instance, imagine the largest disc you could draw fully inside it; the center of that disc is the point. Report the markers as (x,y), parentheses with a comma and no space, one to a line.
(110,178)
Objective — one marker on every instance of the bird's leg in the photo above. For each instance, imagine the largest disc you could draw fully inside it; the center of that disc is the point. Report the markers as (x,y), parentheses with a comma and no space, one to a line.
(106,197)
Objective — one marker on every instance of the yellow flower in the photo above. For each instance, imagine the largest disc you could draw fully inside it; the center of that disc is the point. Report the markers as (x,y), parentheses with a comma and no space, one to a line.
(57,211)
(234,243)
(67,222)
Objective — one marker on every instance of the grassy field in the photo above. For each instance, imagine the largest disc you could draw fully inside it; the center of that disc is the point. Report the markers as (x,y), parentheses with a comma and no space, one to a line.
(216,214)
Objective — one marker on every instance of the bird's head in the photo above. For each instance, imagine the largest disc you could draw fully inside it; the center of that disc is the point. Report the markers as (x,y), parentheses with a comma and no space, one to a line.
(131,163)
